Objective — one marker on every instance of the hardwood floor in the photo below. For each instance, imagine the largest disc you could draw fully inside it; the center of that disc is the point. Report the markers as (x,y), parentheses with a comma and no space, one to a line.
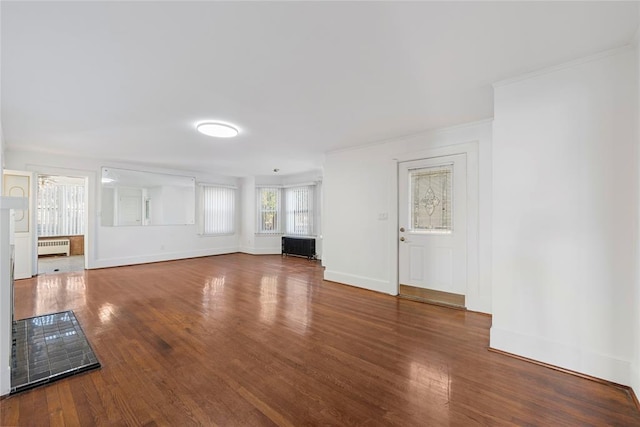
(263,340)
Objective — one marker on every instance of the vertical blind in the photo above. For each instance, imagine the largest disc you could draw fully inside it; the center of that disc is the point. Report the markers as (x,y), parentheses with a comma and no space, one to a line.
(268,210)
(60,208)
(218,209)
(299,210)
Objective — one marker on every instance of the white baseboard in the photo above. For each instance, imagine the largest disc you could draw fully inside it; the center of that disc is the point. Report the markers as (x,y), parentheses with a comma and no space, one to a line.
(260,251)
(263,251)
(481,304)
(360,281)
(5,380)
(635,379)
(170,256)
(562,355)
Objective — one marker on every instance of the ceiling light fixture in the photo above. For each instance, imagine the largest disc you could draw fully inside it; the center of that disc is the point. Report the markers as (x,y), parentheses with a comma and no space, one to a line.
(217,129)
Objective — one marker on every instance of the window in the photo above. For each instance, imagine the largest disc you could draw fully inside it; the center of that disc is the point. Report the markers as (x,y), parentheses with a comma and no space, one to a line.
(299,208)
(60,206)
(268,210)
(431,199)
(290,209)
(218,209)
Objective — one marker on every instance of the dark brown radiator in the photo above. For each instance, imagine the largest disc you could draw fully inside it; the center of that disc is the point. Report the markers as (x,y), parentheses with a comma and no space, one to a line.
(300,246)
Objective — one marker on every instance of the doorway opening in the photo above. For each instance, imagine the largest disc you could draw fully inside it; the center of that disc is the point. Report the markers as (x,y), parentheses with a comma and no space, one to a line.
(432,233)
(61,217)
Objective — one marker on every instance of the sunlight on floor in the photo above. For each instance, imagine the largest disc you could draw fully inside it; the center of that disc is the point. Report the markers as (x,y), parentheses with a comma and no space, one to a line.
(60,264)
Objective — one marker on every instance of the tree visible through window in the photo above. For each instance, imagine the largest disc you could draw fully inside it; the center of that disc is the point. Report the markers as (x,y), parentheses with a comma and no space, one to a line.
(291,209)
(269,210)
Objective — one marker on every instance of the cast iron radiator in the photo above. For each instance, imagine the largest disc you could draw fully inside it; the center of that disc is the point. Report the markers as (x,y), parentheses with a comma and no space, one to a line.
(301,246)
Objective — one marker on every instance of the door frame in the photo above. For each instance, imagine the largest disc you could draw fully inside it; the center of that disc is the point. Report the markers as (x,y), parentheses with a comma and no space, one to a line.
(24,236)
(455,239)
(90,203)
(471,150)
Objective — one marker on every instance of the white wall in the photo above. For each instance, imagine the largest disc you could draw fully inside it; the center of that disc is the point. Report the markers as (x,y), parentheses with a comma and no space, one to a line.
(2,157)
(565,216)
(361,187)
(156,206)
(108,208)
(635,366)
(2,153)
(173,202)
(113,246)
(247,216)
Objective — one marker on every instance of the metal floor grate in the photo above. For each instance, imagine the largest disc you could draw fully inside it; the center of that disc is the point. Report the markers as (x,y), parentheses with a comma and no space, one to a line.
(47,348)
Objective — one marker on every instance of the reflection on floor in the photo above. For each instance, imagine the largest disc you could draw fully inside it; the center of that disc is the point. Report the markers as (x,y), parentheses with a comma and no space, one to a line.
(60,264)
(47,348)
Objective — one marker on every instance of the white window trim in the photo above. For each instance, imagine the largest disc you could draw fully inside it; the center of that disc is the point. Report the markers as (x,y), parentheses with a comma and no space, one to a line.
(258,212)
(283,213)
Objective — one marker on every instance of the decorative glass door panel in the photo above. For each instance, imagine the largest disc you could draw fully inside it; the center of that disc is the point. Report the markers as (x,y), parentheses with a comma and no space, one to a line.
(431,195)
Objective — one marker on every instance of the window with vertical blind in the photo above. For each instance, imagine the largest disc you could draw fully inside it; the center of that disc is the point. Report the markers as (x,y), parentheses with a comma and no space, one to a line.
(60,206)
(288,210)
(299,210)
(269,208)
(218,209)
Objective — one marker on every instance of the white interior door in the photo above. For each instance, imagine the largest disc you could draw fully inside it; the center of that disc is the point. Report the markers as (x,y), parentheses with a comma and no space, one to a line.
(433,223)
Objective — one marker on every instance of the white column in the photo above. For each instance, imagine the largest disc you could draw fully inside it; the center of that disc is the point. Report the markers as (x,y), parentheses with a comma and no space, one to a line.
(6,302)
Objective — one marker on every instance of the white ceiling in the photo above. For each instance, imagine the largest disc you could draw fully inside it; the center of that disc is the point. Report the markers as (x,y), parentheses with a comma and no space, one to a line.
(127,81)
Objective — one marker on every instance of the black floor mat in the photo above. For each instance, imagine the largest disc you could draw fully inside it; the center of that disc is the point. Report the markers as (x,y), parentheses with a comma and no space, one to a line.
(48,348)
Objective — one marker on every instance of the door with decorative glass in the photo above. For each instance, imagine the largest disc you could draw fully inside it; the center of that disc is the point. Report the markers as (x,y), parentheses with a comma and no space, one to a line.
(433,226)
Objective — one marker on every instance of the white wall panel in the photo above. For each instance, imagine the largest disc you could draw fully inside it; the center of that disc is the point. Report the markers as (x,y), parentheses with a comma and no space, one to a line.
(565,215)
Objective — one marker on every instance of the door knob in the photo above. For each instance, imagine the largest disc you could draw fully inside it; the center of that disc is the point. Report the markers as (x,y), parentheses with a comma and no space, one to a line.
(402,239)
(402,229)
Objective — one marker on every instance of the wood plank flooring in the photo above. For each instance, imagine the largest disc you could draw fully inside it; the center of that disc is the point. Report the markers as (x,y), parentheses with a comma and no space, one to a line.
(237,340)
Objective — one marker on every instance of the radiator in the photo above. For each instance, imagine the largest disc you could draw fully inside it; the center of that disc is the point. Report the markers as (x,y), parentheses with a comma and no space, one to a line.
(57,246)
(300,246)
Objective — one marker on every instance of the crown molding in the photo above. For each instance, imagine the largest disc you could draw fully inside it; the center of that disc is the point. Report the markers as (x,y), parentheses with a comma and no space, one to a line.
(564,65)
(424,133)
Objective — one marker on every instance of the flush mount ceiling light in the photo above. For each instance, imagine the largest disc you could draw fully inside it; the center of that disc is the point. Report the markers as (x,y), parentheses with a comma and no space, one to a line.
(217,129)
